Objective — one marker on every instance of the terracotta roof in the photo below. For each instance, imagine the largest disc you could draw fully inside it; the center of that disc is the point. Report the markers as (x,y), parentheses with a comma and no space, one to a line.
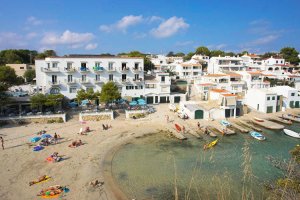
(228,95)
(215,75)
(206,84)
(233,74)
(254,72)
(253,56)
(218,90)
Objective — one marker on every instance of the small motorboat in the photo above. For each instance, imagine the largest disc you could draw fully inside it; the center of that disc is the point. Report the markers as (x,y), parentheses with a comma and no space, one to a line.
(257,135)
(225,123)
(178,128)
(291,133)
(211,144)
(258,119)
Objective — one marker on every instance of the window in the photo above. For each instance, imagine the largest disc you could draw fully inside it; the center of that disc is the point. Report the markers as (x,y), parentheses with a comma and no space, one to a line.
(150,86)
(83,64)
(110,65)
(83,78)
(123,66)
(54,91)
(123,77)
(69,65)
(72,90)
(54,79)
(276,61)
(136,77)
(141,87)
(111,77)
(136,87)
(21,67)
(136,65)
(54,65)
(292,94)
(48,65)
(291,104)
(163,79)
(97,64)
(273,98)
(70,78)
(268,98)
(278,98)
(97,77)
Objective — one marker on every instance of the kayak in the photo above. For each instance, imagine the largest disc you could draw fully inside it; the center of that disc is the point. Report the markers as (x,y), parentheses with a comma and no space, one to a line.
(257,135)
(258,119)
(178,128)
(291,133)
(225,123)
(211,144)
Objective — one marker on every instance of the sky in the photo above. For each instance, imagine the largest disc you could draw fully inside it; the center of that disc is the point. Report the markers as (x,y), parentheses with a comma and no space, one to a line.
(157,26)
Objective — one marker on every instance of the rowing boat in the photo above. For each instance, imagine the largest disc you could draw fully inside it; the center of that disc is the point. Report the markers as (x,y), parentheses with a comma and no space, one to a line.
(258,119)
(178,128)
(291,133)
(225,123)
(257,135)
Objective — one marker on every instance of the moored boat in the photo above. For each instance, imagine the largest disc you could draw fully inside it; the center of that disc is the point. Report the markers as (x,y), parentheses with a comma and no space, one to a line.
(257,135)
(178,128)
(225,123)
(258,119)
(291,133)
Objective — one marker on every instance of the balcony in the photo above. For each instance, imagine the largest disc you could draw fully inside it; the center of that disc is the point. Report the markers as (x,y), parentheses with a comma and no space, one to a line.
(237,82)
(99,82)
(70,70)
(84,81)
(54,83)
(111,69)
(98,69)
(84,70)
(125,69)
(125,81)
(137,69)
(70,82)
(50,70)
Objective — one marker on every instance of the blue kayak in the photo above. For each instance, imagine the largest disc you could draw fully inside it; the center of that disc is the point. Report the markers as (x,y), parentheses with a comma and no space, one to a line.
(257,135)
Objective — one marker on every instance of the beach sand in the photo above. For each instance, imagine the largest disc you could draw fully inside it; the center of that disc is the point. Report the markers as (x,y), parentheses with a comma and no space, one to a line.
(19,164)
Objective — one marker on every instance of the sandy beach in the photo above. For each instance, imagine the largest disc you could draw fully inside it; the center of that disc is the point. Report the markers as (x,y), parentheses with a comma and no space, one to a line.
(19,164)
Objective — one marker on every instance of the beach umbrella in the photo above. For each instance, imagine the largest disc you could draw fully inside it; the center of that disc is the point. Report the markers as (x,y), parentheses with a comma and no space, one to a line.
(133,103)
(35,139)
(46,136)
(141,100)
(142,103)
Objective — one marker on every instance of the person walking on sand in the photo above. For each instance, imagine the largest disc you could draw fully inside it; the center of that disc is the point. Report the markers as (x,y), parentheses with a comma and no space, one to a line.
(167,117)
(198,124)
(55,138)
(2,142)
(183,129)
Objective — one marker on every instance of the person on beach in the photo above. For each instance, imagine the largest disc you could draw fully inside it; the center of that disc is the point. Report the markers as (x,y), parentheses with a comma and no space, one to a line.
(183,129)
(198,124)
(55,138)
(167,117)
(206,131)
(104,127)
(2,142)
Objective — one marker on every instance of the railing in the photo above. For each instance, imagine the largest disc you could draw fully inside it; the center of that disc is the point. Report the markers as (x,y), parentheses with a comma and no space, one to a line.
(138,80)
(137,69)
(98,69)
(50,69)
(70,81)
(111,69)
(84,81)
(70,70)
(84,69)
(54,83)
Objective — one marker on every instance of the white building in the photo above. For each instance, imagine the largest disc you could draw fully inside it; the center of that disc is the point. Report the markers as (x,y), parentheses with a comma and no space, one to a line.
(263,100)
(201,58)
(189,70)
(254,79)
(252,62)
(227,63)
(274,61)
(68,74)
(291,97)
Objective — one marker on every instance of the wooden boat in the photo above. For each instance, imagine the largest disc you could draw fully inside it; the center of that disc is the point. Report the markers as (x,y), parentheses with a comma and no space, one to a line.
(257,135)
(178,128)
(225,123)
(291,133)
(258,119)
(211,144)
(210,132)
(290,117)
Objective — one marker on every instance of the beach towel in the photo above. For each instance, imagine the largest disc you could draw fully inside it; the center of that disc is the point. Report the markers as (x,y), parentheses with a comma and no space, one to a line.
(47,178)
(35,139)
(38,148)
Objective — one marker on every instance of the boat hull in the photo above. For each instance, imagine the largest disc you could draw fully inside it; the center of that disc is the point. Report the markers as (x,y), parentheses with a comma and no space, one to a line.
(291,133)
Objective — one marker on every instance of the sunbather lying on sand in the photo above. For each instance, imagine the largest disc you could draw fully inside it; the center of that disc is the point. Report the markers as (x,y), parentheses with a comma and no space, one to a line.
(76,144)
(51,191)
(40,179)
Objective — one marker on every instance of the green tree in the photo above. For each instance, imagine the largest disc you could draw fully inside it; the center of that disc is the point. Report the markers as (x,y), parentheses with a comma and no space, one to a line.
(81,95)
(17,56)
(46,53)
(109,92)
(216,53)
(38,101)
(179,54)
(29,75)
(7,75)
(188,56)
(54,100)
(290,54)
(268,54)
(170,54)
(203,51)
(231,54)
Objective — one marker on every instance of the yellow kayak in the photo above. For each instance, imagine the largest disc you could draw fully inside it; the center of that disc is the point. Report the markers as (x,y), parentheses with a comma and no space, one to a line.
(210,145)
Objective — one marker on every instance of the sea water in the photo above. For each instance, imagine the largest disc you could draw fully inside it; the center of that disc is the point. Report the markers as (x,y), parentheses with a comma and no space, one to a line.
(158,167)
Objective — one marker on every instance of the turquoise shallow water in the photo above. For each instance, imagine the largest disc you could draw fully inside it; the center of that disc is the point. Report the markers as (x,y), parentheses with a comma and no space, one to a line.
(145,168)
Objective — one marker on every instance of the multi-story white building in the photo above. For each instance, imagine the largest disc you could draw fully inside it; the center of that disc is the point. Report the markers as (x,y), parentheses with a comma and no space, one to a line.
(227,63)
(201,58)
(274,61)
(252,62)
(263,100)
(291,97)
(68,74)
(254,79)
(189,70)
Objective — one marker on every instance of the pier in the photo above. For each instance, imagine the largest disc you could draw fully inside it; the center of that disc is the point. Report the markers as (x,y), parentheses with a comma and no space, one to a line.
(280,120)
(290,117)
(249,125)
(239,128)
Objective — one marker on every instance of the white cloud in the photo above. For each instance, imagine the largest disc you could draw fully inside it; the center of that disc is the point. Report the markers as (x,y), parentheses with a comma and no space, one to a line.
(139,35)
(69,38)
(122,24)
(155,18)
(220,46)
(91,46)
(263,40)
(31,35)
(12,40)
(34,21)
(169,27)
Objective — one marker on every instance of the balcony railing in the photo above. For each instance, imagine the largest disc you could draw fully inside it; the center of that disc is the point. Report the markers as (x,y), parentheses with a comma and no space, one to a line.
(111,69)
(137,69)
(98,69)
(84,81)
(70,70)
(52,83)
(71,81)
(99,81)
(125,69)
(84,70)
(50,70)
(138,80)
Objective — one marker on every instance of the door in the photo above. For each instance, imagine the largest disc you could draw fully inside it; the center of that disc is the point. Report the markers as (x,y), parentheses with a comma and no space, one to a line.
(177,99)
(70,78)
(269,109)
(156,99)
(163,100)
(149,100)
(297,104)
(54,79)
(227,113)
(199,114)
(238,112)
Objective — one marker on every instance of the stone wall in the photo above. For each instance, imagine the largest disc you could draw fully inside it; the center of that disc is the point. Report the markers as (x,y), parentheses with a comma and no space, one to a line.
(108,115)
(135,113)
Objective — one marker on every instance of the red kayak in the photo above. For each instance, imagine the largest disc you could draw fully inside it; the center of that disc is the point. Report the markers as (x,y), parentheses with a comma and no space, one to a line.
(178,128)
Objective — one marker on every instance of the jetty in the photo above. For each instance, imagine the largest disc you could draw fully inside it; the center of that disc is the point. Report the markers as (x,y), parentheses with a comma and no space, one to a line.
(249,125)
(224,130)
(211,132)
(290,117)
(280,120)
(178,135)
(239,128)
(194,133)
(268,124)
